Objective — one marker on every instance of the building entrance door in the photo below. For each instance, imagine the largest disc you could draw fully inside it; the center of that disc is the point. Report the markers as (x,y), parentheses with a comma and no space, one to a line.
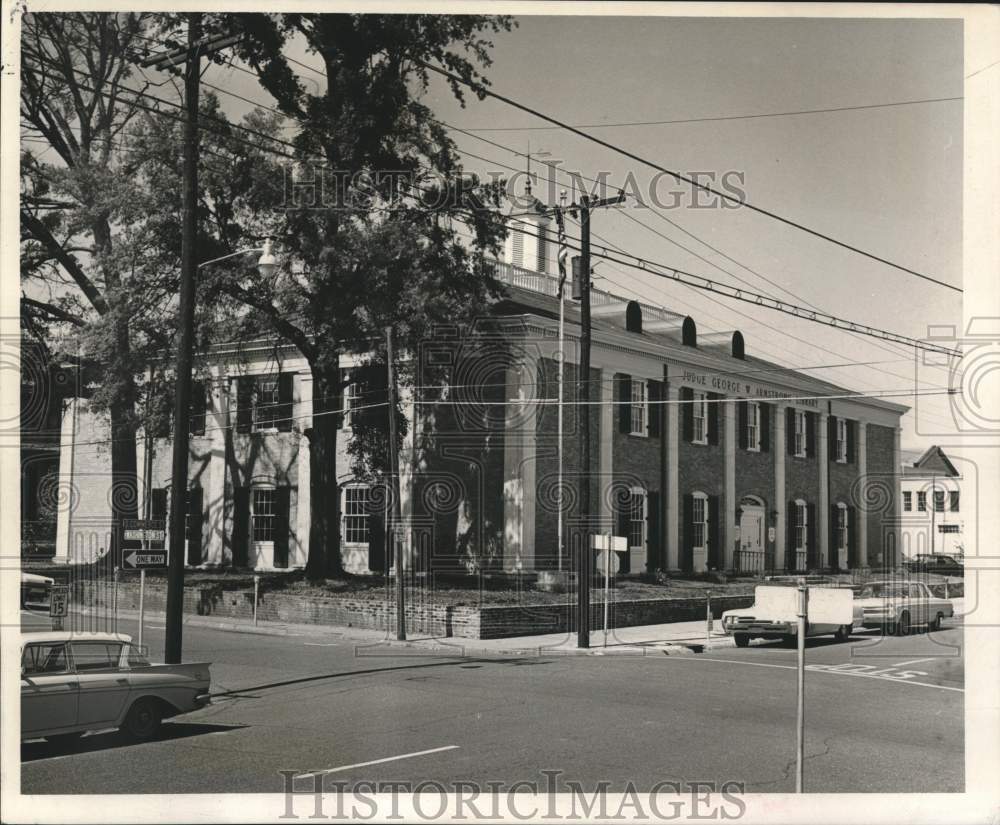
(750,554)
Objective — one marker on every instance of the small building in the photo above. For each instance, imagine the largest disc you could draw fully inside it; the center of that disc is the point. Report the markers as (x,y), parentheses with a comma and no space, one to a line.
(932,509)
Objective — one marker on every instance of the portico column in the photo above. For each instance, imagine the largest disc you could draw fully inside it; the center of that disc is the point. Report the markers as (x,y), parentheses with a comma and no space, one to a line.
(897,501)
(519,470)
(66,500)
(825,551)
(862,484)
(780,554)
(303,506)
(672,495)
(215,488)
(729,497)
(606,458)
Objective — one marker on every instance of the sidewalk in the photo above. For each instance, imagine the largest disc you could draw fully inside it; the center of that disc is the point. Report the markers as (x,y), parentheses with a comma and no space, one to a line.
(676,637)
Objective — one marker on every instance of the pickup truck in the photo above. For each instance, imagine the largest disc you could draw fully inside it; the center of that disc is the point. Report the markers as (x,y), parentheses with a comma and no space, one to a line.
(774,614)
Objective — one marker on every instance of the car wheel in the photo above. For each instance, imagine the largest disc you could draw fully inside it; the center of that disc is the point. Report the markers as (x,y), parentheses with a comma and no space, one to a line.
(742,639)
(143,719)
(936,624)
(843,633)
(788,640)
(903,625)
(64,738)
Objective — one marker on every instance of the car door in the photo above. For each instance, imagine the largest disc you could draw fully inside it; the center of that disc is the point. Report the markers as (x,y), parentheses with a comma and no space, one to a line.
(104,686)
(49,689)
(919,604)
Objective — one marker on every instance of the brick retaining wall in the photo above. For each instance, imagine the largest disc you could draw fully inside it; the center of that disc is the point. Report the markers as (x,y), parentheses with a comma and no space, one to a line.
(486,622)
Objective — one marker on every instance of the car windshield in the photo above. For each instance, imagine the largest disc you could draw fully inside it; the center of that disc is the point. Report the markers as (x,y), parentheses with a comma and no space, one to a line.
(883,591)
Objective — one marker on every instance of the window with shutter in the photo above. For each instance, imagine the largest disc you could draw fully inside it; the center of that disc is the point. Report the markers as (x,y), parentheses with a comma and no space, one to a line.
(699,420)
(637,424)
(753,426)
(199,407)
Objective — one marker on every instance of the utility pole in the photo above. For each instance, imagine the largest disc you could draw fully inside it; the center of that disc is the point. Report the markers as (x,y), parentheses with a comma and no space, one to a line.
(191,55)
(391,537)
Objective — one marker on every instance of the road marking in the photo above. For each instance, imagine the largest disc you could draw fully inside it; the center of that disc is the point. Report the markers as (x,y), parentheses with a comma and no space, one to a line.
(897,680)
(378,761)
(320,644)
(913,661)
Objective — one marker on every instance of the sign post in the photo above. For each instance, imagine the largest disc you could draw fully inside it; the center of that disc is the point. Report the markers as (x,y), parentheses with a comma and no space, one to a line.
(148,558)
(607,563)
(800,728)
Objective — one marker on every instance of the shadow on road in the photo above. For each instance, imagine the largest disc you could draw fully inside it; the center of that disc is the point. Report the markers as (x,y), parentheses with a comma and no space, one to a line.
(30,751)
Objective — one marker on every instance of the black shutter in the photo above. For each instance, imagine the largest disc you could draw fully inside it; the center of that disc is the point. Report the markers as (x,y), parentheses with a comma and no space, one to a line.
(810,435)
(790,430)
(833,563)
(623,517)
(716,558)
(742,416)
(790,537)
(158,503)
(195,520)
(654,409)
(623,383)
(282,509)
(654,544)
(687,413)
(376,540)
(199,406)
(244,403)
(284,421)
(765,428)
(687,532)
(241,526)
(812,556)
(831,437)
(713,418)
(852,537)
(852,439)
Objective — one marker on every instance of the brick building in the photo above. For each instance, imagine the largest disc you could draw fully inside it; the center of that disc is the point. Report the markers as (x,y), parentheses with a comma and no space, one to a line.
(706,457)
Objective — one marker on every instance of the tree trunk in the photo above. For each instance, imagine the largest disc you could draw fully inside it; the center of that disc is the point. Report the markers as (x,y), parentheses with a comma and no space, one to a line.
(324,522)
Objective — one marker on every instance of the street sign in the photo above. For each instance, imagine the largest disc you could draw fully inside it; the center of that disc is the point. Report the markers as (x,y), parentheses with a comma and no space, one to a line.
(59,602)
(145,535)
(144,559)
(601,542)
(603,558)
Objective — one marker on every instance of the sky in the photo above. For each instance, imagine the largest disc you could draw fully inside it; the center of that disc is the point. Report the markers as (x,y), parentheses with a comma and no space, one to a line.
(886,179)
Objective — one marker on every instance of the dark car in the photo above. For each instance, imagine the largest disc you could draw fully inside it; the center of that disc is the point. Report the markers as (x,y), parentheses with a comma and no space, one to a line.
(935,563)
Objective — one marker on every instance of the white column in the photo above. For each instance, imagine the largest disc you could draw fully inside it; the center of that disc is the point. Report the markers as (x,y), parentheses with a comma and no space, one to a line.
(299,551)
(780,558)
(518,497)
(897,472)
(672,495)
(823,517)
(529,424)
(863,481)
(66,498)
(729,531)
(408,405)
(605,459)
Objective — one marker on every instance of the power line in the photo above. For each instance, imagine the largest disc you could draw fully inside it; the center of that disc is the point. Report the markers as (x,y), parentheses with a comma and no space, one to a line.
(717,118)
(481,90)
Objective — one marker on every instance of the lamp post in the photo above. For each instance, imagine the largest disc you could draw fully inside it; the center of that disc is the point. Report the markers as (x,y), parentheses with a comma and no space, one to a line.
(266,265)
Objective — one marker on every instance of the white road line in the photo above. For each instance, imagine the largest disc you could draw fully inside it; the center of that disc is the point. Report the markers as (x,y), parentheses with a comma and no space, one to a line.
(320,644)
(834,672)
(914,661)
(378,761)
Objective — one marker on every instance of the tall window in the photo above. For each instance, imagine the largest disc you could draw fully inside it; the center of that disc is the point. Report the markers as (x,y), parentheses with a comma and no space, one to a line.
(842,526)
(907,501)
(356,514)
(638,407)
(266,403)
(700,418)
(263,514)
(939,501)
(800,433)
(842,440)
(637,518)
(753,426)
(801,525)
(352,396)
(699,518)
(922,501)
(953,504)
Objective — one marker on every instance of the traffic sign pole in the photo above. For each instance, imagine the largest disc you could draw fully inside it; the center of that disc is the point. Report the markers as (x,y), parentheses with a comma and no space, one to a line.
(800,727)
(607,587)
(142,593)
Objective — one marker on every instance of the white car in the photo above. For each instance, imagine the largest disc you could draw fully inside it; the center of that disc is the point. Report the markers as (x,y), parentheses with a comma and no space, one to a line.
(897,606)
(74,682)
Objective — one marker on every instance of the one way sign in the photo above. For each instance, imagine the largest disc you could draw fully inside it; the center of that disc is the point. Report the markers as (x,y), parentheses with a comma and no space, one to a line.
(144,559)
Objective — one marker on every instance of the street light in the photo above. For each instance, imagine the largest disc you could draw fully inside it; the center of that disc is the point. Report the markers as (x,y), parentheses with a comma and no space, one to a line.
(266,263)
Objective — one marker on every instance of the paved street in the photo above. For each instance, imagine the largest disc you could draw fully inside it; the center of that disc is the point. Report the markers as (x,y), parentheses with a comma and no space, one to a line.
(882,715)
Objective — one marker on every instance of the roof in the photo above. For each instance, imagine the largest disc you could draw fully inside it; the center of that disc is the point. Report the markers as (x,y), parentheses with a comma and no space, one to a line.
(73,636)
(933,462)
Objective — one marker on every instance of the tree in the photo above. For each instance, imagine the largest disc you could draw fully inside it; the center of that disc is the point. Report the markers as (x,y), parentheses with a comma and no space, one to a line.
(382,248)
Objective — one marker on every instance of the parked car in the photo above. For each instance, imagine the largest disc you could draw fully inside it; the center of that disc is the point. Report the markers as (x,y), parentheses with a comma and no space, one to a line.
(73,682)
(935,563)
(774,614)
(897,606)
(35,591)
